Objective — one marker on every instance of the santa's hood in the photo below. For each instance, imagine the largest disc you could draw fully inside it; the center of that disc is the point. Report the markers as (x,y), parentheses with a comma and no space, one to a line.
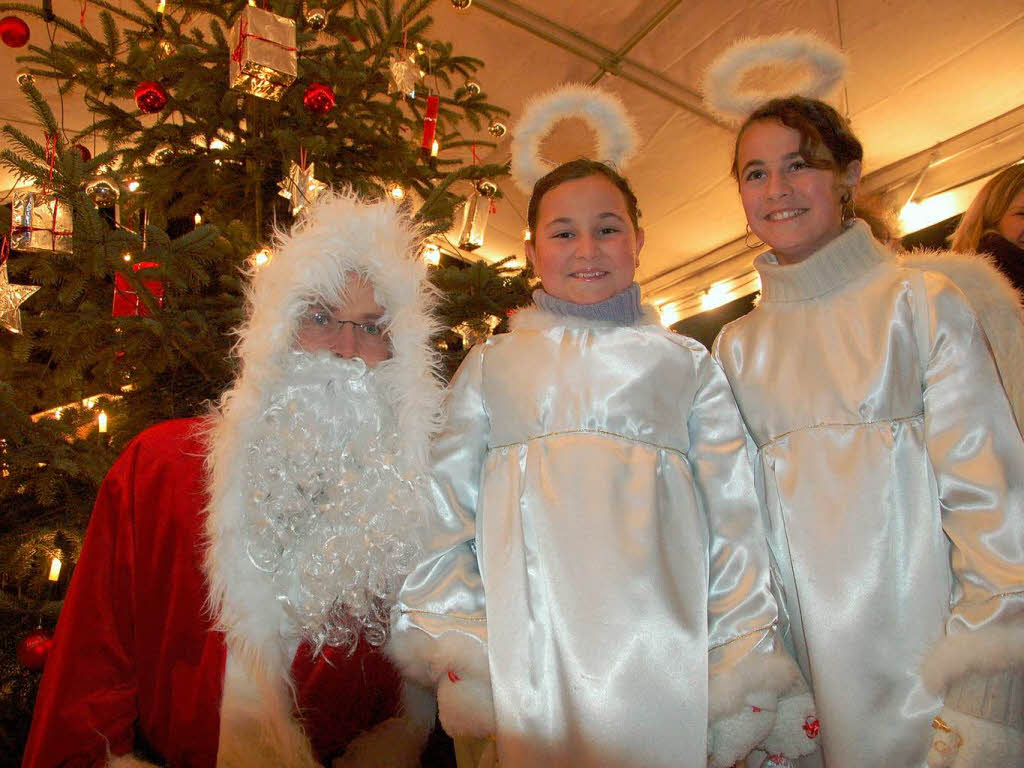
(341,234)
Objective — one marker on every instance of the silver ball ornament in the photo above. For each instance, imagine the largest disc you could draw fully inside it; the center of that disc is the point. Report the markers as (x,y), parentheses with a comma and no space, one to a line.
(497,130)
(473,88)
(103,192)
(316,18)
(486,188)
(461,5)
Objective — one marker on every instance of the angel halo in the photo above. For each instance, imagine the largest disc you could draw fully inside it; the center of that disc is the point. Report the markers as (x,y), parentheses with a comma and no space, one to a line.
(723,95)
(601,110)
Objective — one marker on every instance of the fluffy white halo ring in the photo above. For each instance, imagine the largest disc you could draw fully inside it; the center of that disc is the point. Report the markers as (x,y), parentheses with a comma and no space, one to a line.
(825,63)
(601,110)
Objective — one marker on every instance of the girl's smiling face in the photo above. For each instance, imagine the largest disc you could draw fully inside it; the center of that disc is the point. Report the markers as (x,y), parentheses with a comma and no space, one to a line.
(793,207)
(585,249)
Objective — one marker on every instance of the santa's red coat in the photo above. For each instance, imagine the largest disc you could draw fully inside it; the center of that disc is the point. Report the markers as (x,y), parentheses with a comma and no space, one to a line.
(136,665)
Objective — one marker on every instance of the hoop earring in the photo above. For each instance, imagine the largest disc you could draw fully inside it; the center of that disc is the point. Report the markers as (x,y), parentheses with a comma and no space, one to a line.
(746,240)
(846,211)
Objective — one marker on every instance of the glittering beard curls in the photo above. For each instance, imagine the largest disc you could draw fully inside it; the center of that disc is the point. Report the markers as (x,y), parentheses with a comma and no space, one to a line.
(331,516)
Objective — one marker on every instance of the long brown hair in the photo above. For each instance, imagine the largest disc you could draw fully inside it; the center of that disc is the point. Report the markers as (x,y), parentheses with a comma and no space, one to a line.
(988,208)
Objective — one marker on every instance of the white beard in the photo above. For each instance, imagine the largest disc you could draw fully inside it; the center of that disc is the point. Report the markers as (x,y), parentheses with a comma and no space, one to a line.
(331,517)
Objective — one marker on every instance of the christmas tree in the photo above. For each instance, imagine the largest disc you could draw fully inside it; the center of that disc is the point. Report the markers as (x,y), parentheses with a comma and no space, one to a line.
(213,125)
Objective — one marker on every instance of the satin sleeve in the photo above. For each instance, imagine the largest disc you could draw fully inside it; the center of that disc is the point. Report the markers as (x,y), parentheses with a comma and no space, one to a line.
(744,652)
(977,456)
(443,598)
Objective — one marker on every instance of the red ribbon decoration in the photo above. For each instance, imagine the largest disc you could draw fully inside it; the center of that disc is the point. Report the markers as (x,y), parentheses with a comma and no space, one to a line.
(243,34)
(429,124)
(5,249)
(85,4)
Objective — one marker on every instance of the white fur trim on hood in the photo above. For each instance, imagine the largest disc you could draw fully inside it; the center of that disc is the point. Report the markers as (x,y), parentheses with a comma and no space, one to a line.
(982,651)
(601,110)
(340,235)
(726,98)
(996,303)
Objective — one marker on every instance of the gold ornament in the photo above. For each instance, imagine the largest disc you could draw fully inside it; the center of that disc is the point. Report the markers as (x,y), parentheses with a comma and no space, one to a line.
(497,130)
(405,74)
(461,5)
(11,299)
(24,77)
(473,88)
(301,188)
(264,60)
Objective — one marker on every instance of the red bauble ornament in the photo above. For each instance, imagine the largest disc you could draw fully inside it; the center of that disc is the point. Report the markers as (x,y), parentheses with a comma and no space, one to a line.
(34,648)
(319,98)
(150,96)
(13,31)
(83,152)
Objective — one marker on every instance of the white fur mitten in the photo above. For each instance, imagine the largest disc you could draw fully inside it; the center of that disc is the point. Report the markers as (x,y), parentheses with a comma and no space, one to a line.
(796,729)
(464,703)
(731,738)
(964,741)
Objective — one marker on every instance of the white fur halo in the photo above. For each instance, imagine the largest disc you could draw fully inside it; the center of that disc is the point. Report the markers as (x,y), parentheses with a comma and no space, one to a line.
(601,110)
(722,93)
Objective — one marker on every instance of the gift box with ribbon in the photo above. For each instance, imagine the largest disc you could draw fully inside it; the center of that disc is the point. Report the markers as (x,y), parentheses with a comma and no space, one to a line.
(127,301)
(40,222)
(264,59)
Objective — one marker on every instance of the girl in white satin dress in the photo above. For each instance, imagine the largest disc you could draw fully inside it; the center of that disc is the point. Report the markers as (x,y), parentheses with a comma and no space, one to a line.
(892,468)
(599,589)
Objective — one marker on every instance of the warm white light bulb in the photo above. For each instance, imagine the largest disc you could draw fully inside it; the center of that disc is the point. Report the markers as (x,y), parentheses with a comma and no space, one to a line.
(102,421)
(54,569)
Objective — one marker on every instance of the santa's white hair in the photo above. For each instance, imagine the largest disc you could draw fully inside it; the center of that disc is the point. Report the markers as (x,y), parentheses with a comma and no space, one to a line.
(339,235)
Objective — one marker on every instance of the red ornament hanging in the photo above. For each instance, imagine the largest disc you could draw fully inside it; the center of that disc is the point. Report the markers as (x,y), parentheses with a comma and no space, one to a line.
(150,96)
(319,98)
(13,31)
(34,648)
(429,124)
(83,152)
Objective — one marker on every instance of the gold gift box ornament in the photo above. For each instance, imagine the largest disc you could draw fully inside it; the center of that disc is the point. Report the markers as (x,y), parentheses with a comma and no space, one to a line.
(40,222)
(264,59)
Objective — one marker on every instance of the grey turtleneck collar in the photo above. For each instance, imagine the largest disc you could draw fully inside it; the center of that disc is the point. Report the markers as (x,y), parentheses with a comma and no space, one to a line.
(623,308)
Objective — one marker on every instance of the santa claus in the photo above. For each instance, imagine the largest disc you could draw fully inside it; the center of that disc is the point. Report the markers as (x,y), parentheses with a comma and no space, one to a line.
(234,588)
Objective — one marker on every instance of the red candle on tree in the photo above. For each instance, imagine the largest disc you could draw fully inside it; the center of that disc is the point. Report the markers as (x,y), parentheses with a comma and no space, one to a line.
(429,124)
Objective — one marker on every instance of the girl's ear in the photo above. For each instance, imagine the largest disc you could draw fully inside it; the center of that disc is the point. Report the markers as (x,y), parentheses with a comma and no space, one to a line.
(850,178)
(531,253)
(639,246)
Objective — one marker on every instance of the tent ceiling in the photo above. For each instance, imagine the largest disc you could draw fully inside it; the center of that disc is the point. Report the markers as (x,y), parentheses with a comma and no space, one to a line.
(939,74)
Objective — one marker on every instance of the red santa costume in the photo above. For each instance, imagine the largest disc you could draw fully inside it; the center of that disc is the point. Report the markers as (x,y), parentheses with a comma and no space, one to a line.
(234,585)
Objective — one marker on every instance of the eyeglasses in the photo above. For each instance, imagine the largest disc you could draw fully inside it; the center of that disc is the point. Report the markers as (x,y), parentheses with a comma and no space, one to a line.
(321,324)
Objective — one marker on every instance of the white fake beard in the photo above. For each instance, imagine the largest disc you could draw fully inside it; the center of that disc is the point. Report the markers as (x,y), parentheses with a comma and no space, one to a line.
(331,517)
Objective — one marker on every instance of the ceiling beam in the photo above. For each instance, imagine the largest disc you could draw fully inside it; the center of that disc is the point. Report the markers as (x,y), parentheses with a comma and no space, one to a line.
(608,60)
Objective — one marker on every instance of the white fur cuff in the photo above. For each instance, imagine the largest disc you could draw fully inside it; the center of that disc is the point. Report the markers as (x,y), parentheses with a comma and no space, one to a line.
(729,692)
(466,707)
(983,651)
(427,659)
(972,742)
